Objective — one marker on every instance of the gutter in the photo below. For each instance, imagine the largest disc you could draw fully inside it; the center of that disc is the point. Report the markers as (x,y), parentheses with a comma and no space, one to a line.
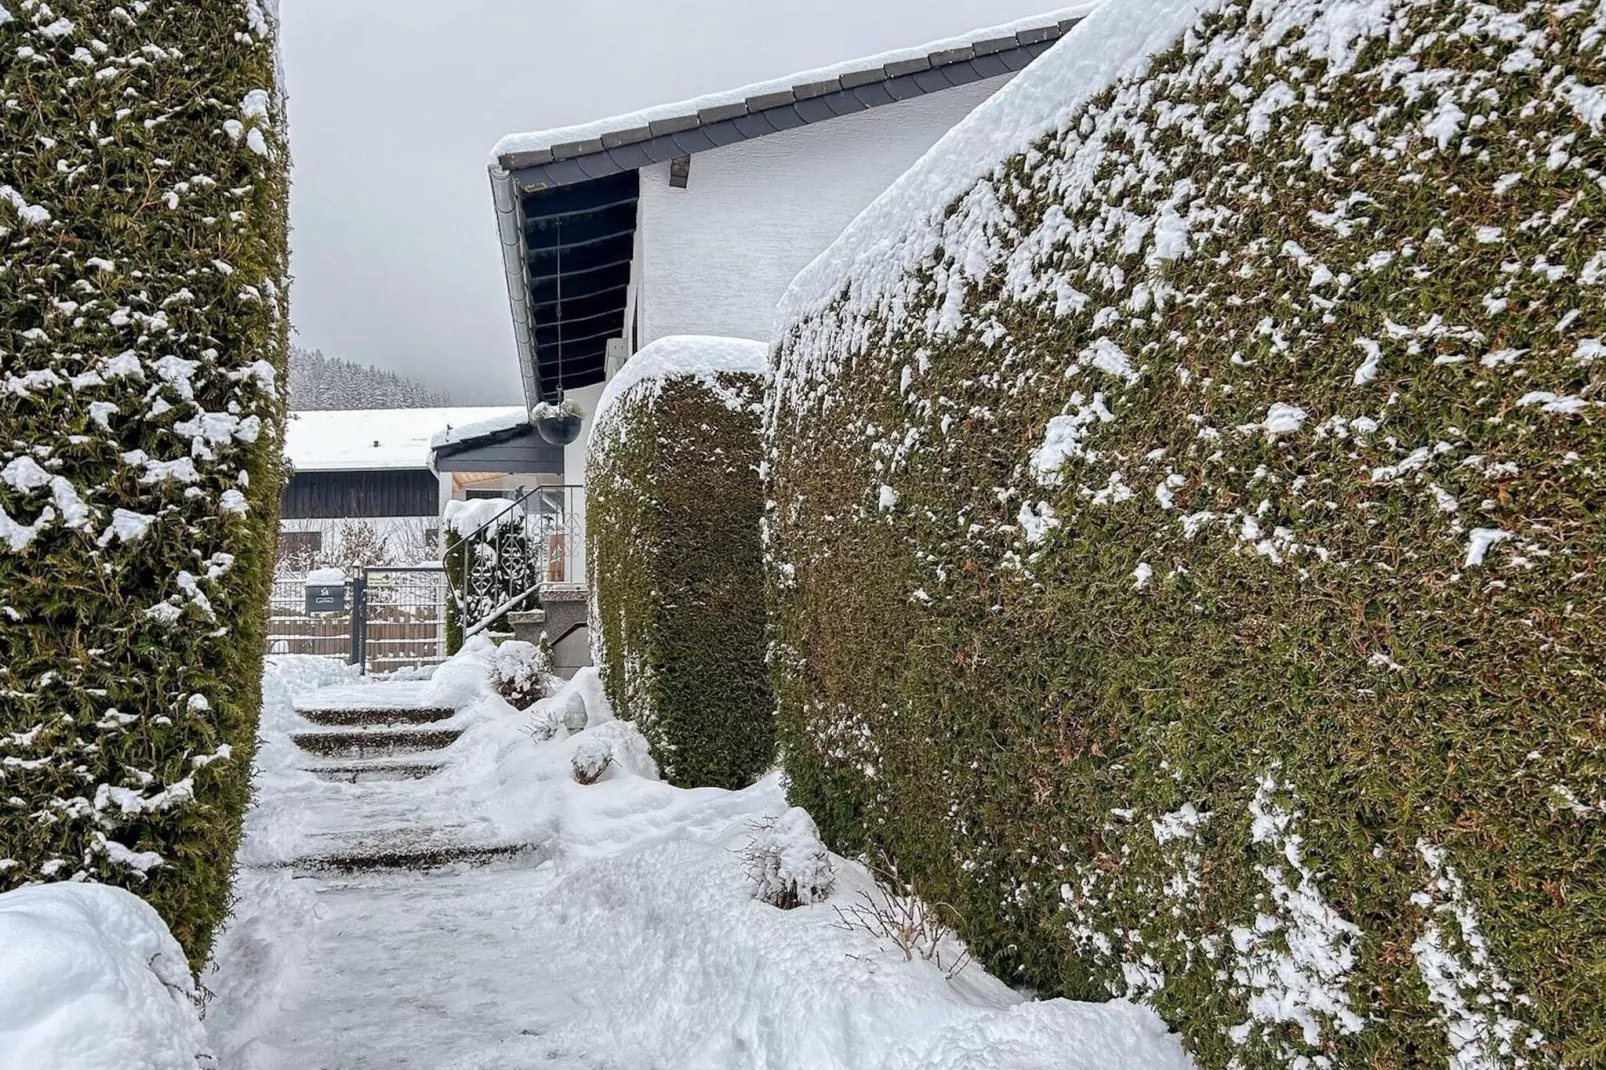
(515,260)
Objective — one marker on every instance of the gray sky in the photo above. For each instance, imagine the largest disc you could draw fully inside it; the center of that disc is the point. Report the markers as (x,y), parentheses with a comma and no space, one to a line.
(395,104)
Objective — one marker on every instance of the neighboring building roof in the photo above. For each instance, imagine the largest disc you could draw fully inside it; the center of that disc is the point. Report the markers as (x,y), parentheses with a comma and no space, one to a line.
(365,440)
(566,199)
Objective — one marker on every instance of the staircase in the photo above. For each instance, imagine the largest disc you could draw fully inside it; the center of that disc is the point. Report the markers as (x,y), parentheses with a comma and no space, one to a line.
(365,744)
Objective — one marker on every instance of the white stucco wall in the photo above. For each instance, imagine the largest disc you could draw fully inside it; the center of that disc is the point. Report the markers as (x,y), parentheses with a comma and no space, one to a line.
(717,256)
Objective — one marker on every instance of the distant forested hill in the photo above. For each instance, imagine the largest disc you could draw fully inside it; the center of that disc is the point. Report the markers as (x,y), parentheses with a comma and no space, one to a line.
(320,382)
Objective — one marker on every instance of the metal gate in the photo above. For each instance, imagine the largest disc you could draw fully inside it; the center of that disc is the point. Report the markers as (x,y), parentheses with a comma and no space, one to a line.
(398,618)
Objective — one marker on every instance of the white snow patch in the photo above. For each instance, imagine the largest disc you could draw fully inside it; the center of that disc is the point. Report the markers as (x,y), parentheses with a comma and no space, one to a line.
(699,357)
(1284,419)
(1481,541)
(91,979)
(1296,958)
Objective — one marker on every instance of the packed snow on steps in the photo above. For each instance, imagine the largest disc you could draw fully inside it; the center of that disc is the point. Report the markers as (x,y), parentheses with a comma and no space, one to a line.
(627,937)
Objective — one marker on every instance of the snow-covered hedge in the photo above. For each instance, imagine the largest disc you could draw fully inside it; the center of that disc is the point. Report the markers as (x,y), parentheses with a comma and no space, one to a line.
(1186,534)
(142,332)
(672,518)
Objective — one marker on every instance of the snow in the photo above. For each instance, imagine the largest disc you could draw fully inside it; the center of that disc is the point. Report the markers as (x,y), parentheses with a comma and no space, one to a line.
(91,979)
(335,440)
(463,518)
(630,934)
(699,357)
(546,139)
(1481,541)
(510,420)
(325,577)
(903,227)
(1284,419)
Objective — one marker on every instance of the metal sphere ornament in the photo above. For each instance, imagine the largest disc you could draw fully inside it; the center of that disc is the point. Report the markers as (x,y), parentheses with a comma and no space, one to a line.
(558,424)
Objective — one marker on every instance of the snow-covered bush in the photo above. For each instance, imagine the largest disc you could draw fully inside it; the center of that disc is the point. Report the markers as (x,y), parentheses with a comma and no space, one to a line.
(520,673)
(592,757)
(788,864)
(142,336)
(91,979)
(1187,516)
(673,510)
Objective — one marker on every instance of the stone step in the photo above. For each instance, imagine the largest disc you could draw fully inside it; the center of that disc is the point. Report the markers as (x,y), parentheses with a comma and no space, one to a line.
(414,857)
(377,717)
(369,771)
(375,743)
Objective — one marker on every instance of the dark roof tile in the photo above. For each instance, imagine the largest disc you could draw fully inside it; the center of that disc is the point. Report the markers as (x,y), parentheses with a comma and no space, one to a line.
(770,100)
(810,90)
(661,127)
(908,66)
(723,112)
(953,55)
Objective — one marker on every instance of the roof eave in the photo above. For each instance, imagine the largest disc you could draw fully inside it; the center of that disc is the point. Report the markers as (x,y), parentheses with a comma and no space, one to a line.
(515,260)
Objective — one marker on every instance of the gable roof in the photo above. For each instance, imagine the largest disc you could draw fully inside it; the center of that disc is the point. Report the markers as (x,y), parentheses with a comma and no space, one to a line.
(567,155)
(566,199)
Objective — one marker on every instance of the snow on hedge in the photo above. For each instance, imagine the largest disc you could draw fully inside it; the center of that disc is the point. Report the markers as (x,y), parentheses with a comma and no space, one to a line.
(143,328)
(672,548)
(91,979)
(696,357)
(1204,444)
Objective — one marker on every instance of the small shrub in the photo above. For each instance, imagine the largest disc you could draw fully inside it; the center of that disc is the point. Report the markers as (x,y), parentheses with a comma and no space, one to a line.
(787,863)
(520,673)
(592,757)
(672,537)
(895,912)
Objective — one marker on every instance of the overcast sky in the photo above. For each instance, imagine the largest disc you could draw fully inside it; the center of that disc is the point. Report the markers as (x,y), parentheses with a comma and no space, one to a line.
(395,104)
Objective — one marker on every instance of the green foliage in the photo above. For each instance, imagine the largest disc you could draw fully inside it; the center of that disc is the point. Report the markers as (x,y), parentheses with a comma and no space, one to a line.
(672,519)
(1176,699)
(142,330)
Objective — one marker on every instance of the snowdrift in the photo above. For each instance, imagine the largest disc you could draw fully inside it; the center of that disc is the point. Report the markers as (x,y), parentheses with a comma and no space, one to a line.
(143,328)
(672,519)
(1186,507)
(91,979)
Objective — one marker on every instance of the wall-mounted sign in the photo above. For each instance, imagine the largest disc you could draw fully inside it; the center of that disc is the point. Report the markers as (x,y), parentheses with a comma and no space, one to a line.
(326,599)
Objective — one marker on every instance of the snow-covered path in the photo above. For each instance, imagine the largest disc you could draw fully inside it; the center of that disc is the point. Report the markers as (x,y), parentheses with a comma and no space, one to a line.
(494,913)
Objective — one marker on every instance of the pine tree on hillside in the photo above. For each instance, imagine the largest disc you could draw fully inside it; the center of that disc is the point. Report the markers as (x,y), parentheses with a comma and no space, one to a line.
(323,382)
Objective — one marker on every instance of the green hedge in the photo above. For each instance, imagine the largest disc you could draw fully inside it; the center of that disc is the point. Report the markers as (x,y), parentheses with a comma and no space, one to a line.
(142,329)
(672,519)
(1192,653)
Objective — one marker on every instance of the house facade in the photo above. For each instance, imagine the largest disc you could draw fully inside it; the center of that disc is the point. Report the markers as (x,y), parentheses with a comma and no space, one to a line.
(693,218)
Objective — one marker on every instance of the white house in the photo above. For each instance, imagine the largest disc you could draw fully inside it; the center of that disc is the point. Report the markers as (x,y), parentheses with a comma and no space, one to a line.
(692,218)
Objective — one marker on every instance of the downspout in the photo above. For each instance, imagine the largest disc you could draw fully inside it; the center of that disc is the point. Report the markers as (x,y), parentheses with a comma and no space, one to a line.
(515,260)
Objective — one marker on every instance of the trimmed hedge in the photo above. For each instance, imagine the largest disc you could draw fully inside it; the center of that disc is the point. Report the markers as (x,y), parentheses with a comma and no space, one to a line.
(1193,571)
(143,329)
(672,517)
